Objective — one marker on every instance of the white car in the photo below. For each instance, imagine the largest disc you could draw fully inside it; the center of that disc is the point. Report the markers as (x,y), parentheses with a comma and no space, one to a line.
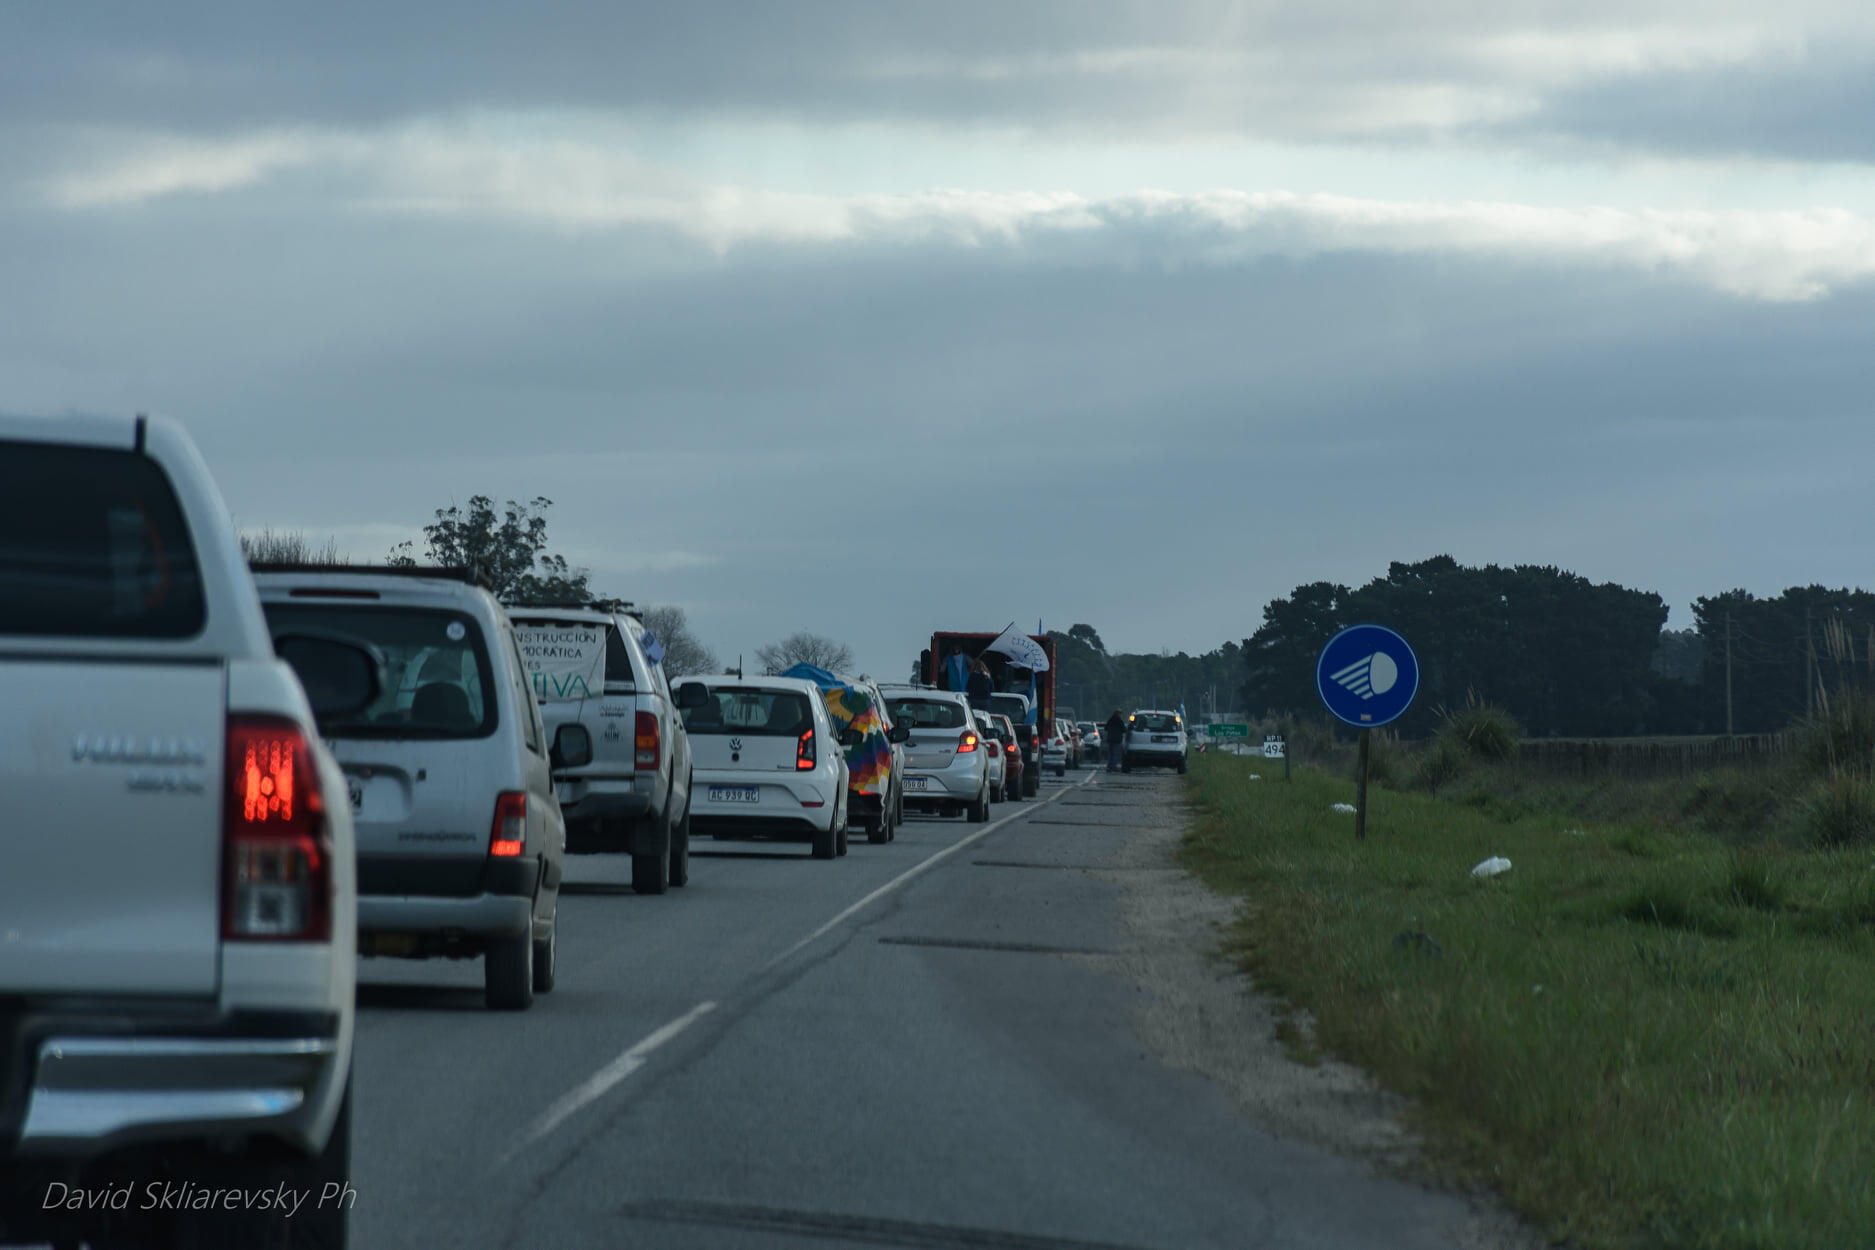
(990,727)
(588,666)
(1155,738)
(946,762)
(177,911)
(768,762)
(450,771)
(1056,747)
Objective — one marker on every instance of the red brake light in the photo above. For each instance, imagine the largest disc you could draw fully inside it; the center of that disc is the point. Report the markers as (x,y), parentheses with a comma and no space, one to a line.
(967,743)
(804,754)
(1010,750)
(647,741)
(509,834)
(277,855)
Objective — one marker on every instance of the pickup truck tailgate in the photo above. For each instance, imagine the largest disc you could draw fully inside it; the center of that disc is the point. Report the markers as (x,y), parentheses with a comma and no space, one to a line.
(111,786)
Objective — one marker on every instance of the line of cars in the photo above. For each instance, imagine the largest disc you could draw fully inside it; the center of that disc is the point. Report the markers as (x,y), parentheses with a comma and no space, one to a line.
(225,783)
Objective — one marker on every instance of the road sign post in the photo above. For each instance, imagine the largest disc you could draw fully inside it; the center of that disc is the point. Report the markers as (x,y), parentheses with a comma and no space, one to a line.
(1367,675)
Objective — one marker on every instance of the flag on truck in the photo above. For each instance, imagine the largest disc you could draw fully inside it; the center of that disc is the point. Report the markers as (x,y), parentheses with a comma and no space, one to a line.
(1021,649)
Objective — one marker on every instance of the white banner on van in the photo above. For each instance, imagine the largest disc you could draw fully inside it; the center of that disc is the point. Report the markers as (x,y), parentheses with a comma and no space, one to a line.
(564,661)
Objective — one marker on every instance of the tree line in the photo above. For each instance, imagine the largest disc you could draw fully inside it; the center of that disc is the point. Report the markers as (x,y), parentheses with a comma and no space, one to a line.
(1568,657)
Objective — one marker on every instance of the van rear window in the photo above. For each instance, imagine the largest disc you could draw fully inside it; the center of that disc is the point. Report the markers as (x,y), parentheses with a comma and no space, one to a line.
(93,545)
(437,680)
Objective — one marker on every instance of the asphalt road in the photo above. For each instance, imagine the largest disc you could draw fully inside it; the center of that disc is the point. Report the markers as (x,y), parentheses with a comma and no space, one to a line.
(887,1049)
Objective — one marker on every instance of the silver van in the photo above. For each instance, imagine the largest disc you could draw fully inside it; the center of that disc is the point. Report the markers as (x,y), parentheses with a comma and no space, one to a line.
(460,837)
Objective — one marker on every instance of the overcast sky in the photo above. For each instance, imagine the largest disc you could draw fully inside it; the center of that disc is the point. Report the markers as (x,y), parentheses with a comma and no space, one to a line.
(877,318)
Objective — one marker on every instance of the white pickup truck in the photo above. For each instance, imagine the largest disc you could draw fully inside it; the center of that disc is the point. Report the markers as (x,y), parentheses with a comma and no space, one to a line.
(177,910)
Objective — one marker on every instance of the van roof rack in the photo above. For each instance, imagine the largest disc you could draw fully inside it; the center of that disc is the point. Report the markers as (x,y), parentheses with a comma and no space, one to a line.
(441,572)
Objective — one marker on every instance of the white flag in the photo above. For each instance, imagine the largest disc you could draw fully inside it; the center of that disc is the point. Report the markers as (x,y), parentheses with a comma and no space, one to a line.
(1020,648)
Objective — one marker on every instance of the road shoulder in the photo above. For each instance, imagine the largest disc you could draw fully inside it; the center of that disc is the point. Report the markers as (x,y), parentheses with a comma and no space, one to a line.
(1201,1014)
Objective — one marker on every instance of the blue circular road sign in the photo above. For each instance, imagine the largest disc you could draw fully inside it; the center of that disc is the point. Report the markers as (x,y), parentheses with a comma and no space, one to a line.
(1367,675)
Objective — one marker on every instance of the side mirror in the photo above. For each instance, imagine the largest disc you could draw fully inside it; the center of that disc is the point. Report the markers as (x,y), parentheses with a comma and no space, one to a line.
(901,732)
(850,737)
(692,694)
(572,747)
(342,675)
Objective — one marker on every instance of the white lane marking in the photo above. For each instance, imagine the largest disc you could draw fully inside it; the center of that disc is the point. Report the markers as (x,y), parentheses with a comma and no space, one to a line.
(917,868)
(599,1083)
(596,1085)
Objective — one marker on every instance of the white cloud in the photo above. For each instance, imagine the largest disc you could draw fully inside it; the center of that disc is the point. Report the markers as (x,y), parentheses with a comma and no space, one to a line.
(529,176)
(173,165)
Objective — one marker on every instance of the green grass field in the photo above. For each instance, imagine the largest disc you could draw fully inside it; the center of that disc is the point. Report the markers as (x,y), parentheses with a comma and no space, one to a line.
(1642,1036)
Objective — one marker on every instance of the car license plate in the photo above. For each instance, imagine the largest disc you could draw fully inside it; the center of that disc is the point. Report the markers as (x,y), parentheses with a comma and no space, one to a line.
(915,783)
(1165,737)
(735,794)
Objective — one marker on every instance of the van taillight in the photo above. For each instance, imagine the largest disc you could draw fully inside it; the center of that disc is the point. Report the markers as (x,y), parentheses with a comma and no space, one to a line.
(509,835)
(647,739)
(967,743)
(276,852)
(804,753)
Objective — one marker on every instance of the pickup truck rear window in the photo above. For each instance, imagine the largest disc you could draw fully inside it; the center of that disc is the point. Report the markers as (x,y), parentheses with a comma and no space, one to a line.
(437,681)
(751,713)
(93,545)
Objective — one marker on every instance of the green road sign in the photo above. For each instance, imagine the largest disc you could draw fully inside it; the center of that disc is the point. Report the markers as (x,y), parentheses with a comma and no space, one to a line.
(1227,731)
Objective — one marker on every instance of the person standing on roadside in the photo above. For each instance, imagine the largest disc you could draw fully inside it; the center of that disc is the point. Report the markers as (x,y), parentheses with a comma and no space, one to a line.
(1116,741)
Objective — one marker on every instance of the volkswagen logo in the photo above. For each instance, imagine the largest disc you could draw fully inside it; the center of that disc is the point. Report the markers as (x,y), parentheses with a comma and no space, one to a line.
(735,744)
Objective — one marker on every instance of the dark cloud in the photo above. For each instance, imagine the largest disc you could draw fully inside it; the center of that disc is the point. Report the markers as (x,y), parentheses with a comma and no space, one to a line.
(868,441)
(1817,109)
(1351,69)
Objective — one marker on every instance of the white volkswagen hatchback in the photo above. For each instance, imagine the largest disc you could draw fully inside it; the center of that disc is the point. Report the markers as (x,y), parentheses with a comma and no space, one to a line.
(768,762)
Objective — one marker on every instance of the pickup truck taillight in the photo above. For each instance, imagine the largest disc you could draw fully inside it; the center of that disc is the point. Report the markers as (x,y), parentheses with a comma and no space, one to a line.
(804,753)
(276,854)
(647,740)
(509,834)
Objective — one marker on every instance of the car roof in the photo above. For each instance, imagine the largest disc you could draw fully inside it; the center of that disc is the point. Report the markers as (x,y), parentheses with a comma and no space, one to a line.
(581,616)
(731,681)
(438,588)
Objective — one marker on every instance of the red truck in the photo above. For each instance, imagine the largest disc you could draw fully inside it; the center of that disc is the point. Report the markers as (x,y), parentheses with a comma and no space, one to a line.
(1011,684)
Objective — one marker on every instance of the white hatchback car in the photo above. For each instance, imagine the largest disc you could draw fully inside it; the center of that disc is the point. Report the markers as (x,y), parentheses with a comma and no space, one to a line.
(1154,739)
(768,762)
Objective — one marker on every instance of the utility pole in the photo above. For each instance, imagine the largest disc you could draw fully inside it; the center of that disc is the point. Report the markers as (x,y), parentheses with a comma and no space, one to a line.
(1728,673)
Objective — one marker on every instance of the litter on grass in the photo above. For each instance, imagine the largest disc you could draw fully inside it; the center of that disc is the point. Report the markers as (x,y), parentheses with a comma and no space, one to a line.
(1492,867)
(1342,807)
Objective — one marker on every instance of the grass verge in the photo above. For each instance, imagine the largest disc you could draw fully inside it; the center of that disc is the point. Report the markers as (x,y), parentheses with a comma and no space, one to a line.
(1641,1036)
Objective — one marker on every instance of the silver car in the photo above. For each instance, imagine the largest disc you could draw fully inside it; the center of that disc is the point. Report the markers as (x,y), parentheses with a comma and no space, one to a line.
(946,760)
(460,836)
